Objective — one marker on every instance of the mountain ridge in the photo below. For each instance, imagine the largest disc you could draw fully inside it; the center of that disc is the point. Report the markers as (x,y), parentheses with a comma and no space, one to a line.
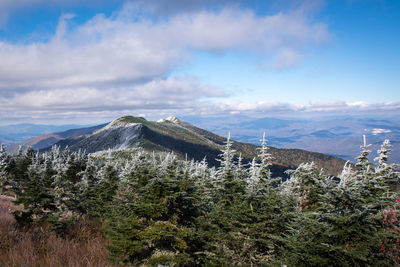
(186,140)
(173,135)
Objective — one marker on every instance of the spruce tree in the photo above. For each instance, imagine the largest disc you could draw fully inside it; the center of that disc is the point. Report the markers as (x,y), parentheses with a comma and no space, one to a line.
(231,186)
(4,164)
(152,223)
(36,197)
(347,228)
(265,158)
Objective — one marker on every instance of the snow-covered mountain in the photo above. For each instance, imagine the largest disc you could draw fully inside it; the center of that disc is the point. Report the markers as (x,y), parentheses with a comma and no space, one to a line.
(170,134)
(184,139)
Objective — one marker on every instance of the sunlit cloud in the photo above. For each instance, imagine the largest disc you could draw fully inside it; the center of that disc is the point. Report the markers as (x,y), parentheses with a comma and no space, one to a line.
(124,61)
(333,107)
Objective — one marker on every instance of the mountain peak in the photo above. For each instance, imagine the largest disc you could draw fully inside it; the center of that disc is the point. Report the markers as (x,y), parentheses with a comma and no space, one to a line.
(172,119)
(122,122)
(172,134)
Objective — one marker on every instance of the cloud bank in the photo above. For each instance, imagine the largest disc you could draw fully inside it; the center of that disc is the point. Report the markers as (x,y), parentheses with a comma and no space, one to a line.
(124,61)
(334,107)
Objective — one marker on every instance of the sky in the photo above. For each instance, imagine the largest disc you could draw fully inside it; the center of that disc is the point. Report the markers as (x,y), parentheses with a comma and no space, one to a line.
(64,61)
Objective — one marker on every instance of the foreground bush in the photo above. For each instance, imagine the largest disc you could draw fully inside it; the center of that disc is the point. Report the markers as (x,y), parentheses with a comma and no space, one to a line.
(84,245)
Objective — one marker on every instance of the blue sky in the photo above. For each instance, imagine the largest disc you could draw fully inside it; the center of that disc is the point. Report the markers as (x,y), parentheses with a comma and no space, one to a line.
(64,61)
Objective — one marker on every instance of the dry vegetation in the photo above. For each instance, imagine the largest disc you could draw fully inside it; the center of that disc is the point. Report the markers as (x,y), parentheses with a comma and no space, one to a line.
(84,245)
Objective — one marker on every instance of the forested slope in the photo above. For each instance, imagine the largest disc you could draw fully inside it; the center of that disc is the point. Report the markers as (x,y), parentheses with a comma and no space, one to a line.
(155,208)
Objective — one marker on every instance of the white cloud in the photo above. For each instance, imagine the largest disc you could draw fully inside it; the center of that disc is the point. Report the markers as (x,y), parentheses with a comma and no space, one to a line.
(284,59)
(123,61)
(172,93)
(334,107)
(106,50)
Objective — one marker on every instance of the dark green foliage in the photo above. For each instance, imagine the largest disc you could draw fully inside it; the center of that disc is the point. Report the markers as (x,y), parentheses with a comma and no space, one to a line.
(107,185)
(38,202)
(18,170)
(248,232)
(152,223)
(345,224)
(156,209)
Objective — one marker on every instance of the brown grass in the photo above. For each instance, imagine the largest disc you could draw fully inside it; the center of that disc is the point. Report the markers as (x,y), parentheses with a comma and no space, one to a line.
(84,246)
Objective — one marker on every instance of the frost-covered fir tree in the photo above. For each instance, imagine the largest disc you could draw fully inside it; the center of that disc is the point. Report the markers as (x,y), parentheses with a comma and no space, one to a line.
(253,177)
(4,161)
(360,213)
(386,174)
(265,158)
(88,188)
(363,162)
(230,184)
(66,180)
(259,177)
(383,155)
(166,161)
(18,173)
(227,157)
(108,182)
(241,172)
(347,175)
(60,184)
(201,169)
(35,195)
(308,183)
(204,181)
(20,152)
(370,184)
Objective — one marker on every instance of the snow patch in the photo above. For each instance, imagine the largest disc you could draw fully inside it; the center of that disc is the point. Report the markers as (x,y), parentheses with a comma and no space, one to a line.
(115,137)
(117,123)
(120,125)
(172,119)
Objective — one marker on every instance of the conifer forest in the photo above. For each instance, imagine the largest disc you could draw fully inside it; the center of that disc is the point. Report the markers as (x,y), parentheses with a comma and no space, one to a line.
(156,209)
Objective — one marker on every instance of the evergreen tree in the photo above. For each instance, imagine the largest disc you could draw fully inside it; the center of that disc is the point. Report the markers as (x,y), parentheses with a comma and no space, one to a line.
(90,202)
(347,227)
(307,182)
(253,178)
(386,173)
(159,210)
(260,177)
(347,175)
(362,161)
(18,169)
(4,164)
(227,157)
(265,158)
(152,223)
(107,186)
(231,186)
(35,196)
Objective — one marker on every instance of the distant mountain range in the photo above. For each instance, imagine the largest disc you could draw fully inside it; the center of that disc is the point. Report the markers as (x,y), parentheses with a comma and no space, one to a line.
(16,133)
(175,135)
(45,141)
(339,136)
